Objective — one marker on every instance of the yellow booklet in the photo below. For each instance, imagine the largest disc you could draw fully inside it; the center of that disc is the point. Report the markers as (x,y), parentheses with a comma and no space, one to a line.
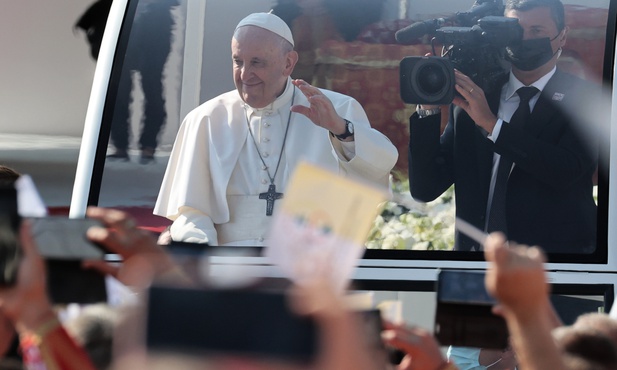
(320,228)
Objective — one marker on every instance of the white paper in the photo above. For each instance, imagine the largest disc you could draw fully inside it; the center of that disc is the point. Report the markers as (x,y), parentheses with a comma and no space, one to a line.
(29,201)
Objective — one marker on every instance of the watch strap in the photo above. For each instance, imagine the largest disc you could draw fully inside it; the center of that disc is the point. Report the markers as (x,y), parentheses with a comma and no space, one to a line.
(347,132)
(428,112)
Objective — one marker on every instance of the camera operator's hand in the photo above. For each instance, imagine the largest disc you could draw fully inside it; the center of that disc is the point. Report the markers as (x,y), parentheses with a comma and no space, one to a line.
(143,259)
(474,102)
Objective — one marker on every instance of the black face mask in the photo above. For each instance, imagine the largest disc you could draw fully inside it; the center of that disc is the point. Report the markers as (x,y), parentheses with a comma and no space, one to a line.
(530,54)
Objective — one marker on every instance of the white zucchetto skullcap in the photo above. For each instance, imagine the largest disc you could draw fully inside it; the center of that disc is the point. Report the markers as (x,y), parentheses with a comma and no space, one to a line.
(269,22)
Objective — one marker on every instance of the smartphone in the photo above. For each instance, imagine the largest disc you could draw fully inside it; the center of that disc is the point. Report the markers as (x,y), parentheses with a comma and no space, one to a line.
(229,322)
(62,242)
(63,238)
(464,314)
(10,250)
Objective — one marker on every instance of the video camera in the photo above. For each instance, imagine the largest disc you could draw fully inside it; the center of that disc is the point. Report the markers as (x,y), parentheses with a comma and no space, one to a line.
(475,47)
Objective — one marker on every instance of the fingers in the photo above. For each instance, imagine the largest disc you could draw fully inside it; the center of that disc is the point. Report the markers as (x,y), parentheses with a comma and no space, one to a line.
(503,253)
(112,218)
(121,235)
(420,346)
(466,87)
(493,243)
(312,93)
(498,310)
(307,89)
(406,338)
(387,325)
(101,266)
(320,110)
(108,239)
(28,245)
(301,109)
(316,299)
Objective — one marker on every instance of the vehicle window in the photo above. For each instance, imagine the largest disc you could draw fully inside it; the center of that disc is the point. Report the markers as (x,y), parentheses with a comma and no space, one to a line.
(178,56)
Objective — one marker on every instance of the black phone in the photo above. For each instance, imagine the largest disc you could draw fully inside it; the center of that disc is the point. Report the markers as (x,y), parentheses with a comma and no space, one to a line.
(62,242)
(63,238)
(231,322)
(464,314)
(10,249)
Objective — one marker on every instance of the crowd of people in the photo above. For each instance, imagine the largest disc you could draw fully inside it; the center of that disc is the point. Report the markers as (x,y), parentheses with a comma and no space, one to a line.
(106,337)
(252,138)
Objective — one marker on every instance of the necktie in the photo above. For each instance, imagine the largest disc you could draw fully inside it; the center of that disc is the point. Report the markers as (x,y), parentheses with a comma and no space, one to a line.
(497,215)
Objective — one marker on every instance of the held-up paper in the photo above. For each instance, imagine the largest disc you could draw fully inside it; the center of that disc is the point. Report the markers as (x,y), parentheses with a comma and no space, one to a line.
(320,228)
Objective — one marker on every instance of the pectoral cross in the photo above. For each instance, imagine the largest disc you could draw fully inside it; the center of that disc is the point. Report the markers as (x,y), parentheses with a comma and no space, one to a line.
(270,196)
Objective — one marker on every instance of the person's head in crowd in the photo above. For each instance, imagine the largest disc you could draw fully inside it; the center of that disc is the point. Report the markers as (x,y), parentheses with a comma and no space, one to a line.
(544,35)
(93,329)
(585,348)
(8,175)
(263,58)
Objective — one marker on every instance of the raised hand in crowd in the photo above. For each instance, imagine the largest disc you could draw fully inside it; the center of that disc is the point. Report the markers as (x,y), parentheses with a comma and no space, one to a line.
(516,278)
(26,304)
(419,345)
(342,345)
(142,259)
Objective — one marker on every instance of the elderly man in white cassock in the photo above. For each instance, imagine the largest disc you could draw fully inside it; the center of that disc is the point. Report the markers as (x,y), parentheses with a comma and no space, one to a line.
(234,154)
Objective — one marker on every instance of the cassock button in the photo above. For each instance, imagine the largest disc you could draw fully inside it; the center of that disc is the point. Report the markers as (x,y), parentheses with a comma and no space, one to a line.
(266,140)
(266,155)
(266,124)
(261,240)
(264,167)
(264,181)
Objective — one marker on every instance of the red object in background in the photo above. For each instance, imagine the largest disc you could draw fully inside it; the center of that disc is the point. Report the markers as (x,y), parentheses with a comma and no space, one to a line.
(145,219)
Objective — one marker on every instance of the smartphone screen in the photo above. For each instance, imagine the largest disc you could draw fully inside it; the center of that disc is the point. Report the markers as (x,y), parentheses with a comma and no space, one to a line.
(62,242)
(459,286)
(10,250)
(64,238)
(464,314)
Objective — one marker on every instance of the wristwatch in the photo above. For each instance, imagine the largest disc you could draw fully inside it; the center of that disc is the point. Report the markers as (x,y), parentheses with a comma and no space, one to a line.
(348,131)
(427,112)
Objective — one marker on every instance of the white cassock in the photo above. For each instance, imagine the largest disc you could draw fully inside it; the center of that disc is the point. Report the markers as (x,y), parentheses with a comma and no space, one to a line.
(215,175)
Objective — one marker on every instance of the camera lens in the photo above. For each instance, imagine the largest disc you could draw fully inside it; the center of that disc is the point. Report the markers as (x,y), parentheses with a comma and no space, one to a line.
(431,79)
(426,80)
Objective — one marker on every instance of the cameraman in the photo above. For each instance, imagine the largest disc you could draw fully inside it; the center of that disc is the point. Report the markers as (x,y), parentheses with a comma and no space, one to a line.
(546,164)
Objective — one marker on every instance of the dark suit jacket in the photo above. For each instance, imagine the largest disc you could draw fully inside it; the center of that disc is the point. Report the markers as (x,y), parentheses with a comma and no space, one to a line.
(549,198)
